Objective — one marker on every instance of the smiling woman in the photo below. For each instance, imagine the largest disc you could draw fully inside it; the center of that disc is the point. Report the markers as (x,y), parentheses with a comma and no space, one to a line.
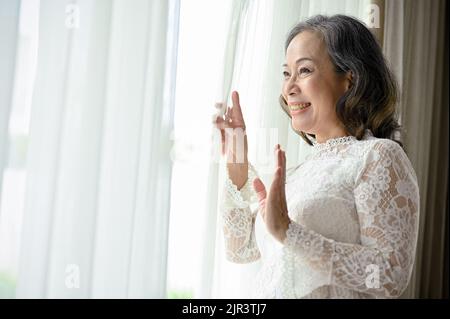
(315,80)
(351,75)
(344,223)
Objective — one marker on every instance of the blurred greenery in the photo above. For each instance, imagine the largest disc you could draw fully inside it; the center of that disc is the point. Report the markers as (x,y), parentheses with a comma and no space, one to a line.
(7,286)
(180,294)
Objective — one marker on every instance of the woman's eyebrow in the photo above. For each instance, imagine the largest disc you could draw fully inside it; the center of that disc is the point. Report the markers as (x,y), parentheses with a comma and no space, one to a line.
(299,60)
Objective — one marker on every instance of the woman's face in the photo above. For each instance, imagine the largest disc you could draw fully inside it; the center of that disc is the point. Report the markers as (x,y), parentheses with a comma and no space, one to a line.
(311,81)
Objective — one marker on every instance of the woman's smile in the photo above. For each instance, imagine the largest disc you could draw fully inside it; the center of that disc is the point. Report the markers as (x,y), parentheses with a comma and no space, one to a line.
(297,108)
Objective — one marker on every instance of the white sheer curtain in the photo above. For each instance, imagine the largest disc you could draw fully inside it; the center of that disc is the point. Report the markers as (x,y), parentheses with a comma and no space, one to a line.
(253,62)
(9,29)
(95,222)
(18,29)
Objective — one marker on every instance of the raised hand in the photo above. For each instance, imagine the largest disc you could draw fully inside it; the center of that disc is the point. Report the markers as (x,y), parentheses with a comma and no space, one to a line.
(231,124)
(272,206)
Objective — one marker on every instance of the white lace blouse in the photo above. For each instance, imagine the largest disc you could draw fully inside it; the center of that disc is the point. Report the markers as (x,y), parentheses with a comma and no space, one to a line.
(354,206)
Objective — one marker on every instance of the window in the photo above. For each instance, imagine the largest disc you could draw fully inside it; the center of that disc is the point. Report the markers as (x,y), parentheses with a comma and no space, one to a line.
(200,53)
(14,176)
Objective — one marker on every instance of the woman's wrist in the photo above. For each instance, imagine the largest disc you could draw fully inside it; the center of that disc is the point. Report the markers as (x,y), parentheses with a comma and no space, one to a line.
(282,232)
(238,173)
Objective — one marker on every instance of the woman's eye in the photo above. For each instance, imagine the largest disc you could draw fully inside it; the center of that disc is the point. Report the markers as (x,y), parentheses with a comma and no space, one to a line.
(300,71)
(303,70)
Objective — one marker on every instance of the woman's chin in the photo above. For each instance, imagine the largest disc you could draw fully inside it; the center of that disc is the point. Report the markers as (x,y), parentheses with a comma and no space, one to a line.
(300,128)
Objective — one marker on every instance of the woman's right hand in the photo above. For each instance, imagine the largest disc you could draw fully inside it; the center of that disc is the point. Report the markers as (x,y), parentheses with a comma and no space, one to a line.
(232,128)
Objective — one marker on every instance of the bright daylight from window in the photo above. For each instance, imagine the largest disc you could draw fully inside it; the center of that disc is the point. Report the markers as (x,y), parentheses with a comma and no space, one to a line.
(200,51)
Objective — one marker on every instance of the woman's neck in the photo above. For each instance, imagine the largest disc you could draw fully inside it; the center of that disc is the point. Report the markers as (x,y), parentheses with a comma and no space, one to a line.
(325,136)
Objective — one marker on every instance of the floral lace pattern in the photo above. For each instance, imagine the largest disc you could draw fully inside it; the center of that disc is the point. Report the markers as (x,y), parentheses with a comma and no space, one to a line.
(354,209)
(238,220)
(332,142)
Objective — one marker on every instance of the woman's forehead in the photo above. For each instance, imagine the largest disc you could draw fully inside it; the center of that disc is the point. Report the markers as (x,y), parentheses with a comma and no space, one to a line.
(306,44)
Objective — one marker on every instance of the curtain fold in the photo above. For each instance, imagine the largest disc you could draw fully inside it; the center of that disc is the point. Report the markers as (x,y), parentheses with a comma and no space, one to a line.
(9,28)
(98,171)
(416,46)
(431,149)
(205,286)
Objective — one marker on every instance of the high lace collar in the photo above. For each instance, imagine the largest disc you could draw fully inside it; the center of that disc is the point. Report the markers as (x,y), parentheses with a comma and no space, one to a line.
(339,140)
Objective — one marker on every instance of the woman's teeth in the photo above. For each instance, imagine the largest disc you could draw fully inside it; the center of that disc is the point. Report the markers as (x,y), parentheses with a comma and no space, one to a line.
(295,107)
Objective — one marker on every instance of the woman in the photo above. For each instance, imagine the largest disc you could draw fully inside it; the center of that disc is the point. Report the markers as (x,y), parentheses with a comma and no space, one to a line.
(344,223)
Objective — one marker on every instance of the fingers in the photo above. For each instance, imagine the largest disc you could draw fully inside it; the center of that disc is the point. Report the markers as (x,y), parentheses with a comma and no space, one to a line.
(236,104)
(223,140)
(235,98)
(275,189)
(220,123)
(260,189)
(278,156)
(229,114)
(283,166)
(220,108)
(228,117)
(283,173)
(277,175)
(280,170)
(280,160)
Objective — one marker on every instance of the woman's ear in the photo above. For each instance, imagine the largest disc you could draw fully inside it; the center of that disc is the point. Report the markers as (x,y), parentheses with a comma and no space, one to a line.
(349,79)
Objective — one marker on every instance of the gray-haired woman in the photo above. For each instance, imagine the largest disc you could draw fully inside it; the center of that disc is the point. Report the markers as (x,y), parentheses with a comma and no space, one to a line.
(344,223)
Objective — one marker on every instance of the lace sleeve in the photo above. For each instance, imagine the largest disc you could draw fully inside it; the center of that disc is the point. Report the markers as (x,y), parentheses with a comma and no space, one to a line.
(239,220)
(387,201)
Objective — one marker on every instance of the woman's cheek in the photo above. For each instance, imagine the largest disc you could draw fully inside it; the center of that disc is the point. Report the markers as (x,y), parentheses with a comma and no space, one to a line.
(310,88)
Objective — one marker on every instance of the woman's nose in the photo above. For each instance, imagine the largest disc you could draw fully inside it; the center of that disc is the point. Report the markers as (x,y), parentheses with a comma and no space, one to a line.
(292,87)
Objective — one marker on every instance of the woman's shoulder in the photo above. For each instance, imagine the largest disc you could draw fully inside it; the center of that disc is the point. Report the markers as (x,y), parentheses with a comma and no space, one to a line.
(371,144)
(386,151)
(382,147)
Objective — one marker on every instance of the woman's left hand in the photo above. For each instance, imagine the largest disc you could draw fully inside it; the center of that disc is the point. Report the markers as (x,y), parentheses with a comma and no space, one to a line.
(272,206)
